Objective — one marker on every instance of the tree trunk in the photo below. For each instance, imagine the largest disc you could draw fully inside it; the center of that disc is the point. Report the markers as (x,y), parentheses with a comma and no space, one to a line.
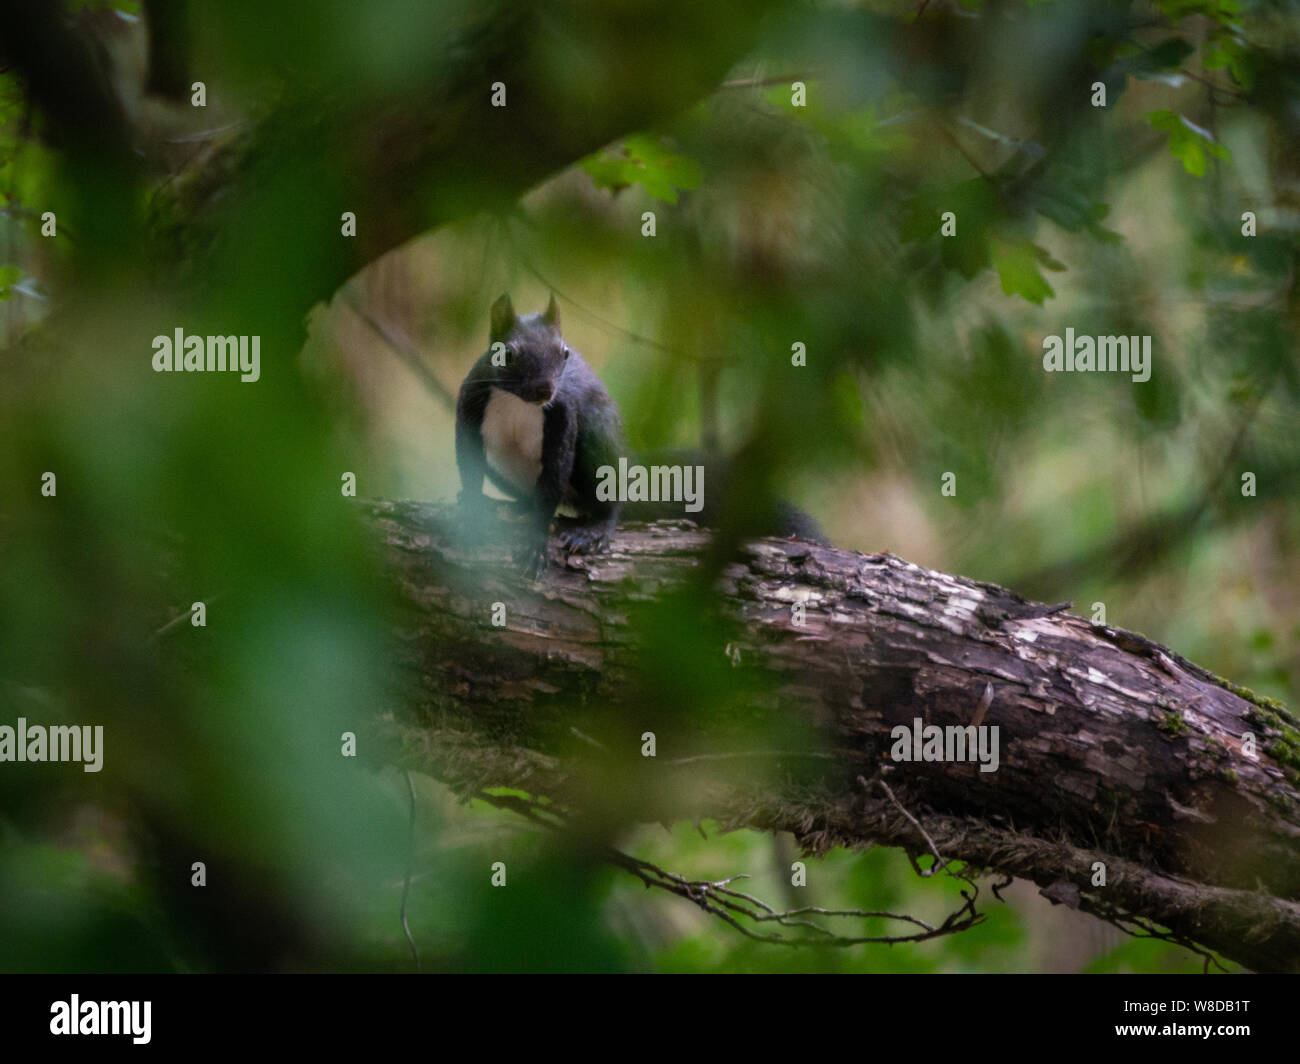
(1112,749)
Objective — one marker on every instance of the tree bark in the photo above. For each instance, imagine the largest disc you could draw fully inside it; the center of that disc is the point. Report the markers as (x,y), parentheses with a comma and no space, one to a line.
(1113,749)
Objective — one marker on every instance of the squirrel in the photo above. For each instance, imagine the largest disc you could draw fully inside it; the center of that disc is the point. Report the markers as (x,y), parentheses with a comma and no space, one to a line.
(534,419)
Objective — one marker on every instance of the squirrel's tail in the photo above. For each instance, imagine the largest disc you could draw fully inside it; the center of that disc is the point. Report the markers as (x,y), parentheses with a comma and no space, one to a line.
(778,517)
(792,521)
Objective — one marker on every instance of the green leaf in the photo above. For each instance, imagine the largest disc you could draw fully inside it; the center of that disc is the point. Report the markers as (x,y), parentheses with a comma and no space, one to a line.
(9,276)
(642,160)
(975,203)
(1124,59)
(1219,10)
(1106,236)
(1063,195)
(1227,52)
(1188,142)
(1018,266)
(1167,55)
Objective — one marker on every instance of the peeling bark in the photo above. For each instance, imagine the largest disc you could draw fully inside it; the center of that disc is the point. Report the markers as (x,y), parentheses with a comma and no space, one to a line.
(1113,748)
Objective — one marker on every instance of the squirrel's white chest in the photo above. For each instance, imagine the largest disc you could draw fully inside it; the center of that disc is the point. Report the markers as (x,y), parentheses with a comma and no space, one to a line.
(512,438)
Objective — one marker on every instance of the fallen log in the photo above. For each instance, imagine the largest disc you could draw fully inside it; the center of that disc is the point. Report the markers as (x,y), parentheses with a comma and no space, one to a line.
(779,690)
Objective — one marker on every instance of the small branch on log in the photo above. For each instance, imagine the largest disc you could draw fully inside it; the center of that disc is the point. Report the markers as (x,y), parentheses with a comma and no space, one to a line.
(732,907)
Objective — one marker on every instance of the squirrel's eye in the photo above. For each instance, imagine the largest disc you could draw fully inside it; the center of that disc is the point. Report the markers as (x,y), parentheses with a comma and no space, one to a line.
(567,352)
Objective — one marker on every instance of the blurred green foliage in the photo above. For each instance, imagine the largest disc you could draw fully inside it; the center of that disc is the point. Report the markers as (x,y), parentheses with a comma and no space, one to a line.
(817,224)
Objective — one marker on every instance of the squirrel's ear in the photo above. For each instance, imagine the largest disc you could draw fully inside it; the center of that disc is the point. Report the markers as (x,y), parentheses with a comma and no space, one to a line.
(503,316)
(552,312)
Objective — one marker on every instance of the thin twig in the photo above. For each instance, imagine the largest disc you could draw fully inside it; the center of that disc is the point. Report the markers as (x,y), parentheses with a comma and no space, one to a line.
(718,899)
(939,861)
(406,354)
(406,884)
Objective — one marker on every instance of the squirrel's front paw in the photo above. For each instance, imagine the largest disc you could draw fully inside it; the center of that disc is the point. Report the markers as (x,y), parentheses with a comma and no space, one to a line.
(585,539)
(531,557)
